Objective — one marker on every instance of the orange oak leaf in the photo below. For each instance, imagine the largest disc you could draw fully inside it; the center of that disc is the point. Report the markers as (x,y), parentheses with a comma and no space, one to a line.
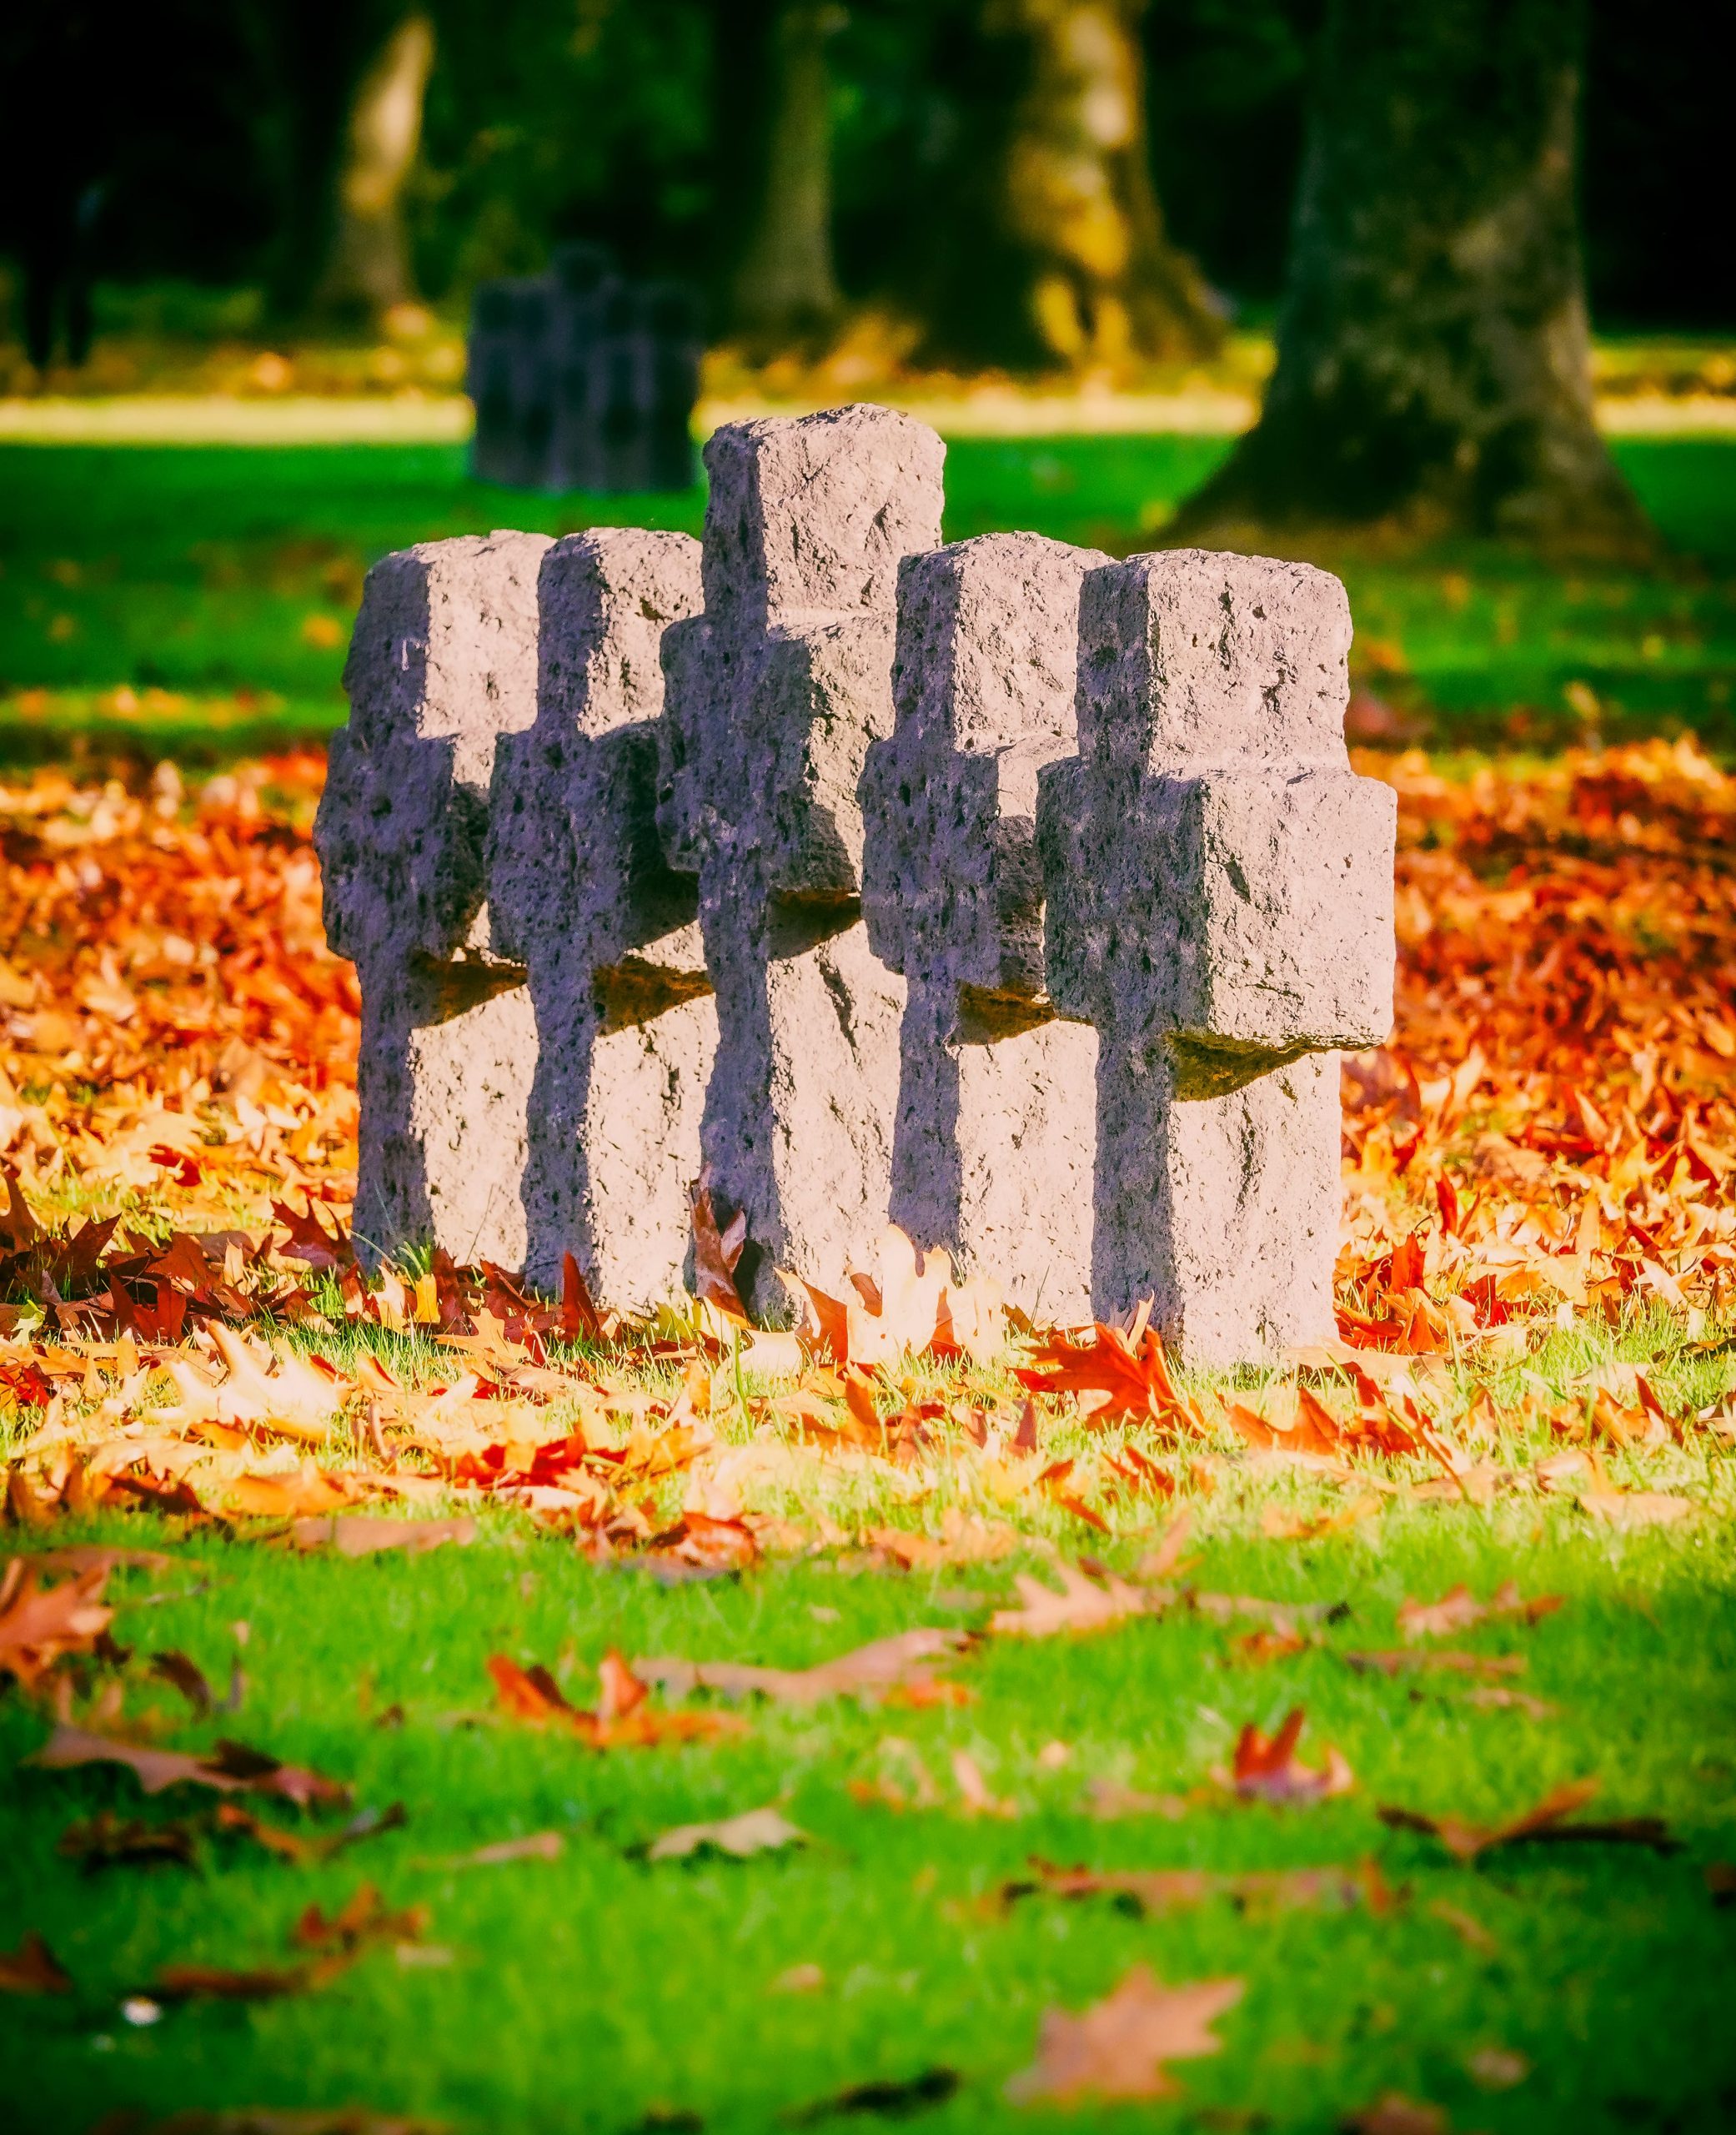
(1116,2048)
(1267,1768)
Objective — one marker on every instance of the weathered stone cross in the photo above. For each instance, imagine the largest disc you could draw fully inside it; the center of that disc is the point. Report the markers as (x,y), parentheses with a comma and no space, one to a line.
(774,696)
(1035,892)
(442,665)
(992,1157)
(1220,906)
(580,893)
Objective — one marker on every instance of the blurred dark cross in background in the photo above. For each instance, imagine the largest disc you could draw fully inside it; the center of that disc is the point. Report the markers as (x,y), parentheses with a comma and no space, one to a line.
(584,380)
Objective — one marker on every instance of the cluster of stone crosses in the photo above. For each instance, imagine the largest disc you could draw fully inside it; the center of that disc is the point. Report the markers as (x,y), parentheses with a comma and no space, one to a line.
(583,380)
(1015,894)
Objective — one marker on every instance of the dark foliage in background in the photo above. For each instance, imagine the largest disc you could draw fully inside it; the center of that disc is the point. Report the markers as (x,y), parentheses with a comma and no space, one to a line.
(209,127)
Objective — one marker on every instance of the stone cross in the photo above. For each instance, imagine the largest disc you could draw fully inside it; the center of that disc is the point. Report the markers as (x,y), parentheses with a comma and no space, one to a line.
(1220,907)
(442,665)
(772,697)
(583,380)
(491,378)
(580,892)
(585,288)
(996,1127)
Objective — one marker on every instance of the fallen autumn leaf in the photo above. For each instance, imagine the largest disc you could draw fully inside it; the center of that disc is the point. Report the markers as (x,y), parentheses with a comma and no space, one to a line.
(1116,2048)
(755,1830)
(33,1968)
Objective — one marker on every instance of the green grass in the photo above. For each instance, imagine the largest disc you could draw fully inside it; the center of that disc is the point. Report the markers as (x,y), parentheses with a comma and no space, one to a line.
(594,1991)
(188,576)
(584,1993)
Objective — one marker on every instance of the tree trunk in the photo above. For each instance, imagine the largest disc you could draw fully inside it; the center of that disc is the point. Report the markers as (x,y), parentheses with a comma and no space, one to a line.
(368,269)
(1058,254)
(784,289)
(1433,371)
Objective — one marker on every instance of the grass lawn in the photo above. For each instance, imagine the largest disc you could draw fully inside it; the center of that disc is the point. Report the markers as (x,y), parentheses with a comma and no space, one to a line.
(597,1991)
(196,601)
(1547,1148)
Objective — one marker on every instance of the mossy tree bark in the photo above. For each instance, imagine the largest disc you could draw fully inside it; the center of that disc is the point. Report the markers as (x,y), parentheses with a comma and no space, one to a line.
(774,143)
(1053,252)
(368,269)
(1434,368)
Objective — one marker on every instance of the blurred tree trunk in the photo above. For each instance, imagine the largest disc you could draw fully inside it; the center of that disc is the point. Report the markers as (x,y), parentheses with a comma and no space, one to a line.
(1057,252)
(368,268)
(774,136)
(1433,367)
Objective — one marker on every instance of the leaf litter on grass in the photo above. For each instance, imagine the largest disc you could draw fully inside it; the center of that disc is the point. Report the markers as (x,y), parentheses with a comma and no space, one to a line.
(1548,1142)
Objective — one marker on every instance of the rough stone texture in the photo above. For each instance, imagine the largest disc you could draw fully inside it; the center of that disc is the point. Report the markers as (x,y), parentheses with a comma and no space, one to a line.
(624,1027)
(996,1128)
(773,697)
(442,663)
(1220,907)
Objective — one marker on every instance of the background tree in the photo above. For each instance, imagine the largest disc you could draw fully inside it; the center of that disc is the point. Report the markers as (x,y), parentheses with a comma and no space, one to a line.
(1052,248)
(368,269)
(1433,362)
(210,135)
(772,135)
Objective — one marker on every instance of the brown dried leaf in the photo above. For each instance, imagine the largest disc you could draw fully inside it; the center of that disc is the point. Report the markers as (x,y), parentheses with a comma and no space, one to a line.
(231,1767)
(105,1841)
(183,1674)
(540,1845)
(358,1534)
(1546,1822)
(1267,1770)
(1281,1526)
(880,1666)
(1119,1374)
(1117,2048)
(1106,1801)
(755,1830)
(1456,1610)
(716,1253)
(1163,1890)
(305,1851)
(40,1625)
(623,1718)
(1083,1605)
(363,1920)
(1468,1928)
(974,1790)
(218,1983)
(1401,1661)
(33,1968)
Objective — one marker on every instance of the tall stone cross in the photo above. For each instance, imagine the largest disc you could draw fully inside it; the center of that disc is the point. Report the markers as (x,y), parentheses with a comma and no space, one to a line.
(993,1152)
(772,697)
(1220,906)
(579,891)
(442,663)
